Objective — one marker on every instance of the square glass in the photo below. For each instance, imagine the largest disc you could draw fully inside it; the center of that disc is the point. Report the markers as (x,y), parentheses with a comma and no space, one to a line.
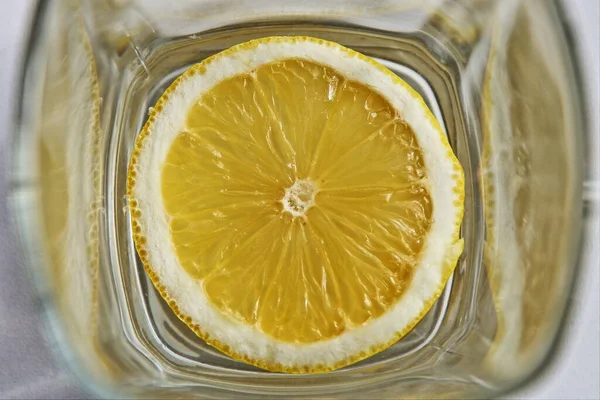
(502,79)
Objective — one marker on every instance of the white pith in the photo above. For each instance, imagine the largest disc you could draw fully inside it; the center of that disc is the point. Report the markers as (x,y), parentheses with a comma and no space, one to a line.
(440,245)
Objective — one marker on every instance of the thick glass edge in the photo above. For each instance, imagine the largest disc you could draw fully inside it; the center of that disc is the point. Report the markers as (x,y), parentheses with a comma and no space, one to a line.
(582,242)
(27,242)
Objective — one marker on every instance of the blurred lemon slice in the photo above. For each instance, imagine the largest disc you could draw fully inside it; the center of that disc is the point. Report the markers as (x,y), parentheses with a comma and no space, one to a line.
(296,203)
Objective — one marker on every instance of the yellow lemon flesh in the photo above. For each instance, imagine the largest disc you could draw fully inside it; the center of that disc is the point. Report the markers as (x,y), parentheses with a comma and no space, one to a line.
(286,208)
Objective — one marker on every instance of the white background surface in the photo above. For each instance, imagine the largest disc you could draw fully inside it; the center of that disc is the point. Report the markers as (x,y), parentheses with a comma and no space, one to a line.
(28,369)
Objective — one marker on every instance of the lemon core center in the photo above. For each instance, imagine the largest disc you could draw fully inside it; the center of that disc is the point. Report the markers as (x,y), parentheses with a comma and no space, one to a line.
(299,197)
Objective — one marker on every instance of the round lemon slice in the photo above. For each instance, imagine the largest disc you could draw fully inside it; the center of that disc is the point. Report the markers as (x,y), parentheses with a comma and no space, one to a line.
(296,203)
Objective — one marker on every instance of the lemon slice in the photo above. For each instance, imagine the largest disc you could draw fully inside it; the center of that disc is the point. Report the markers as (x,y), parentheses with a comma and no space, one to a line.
(296,203)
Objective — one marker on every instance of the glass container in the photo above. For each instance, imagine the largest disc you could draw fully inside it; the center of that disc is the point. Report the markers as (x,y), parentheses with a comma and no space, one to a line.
(502,78)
